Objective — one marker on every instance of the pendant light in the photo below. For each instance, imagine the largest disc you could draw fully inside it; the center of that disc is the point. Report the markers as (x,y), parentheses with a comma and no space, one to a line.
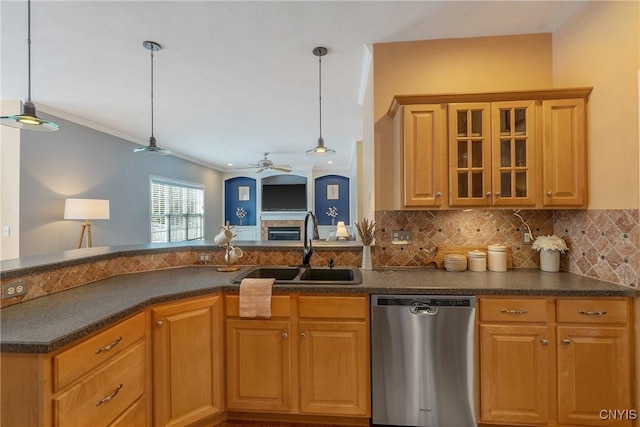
(152,147)
(320,149)
(28,119)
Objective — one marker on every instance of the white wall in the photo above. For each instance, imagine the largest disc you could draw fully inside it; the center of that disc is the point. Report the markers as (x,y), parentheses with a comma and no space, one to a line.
(600,47)
(10,182)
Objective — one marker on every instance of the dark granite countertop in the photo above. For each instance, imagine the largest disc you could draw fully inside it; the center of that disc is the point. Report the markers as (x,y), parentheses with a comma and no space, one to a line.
(45,324)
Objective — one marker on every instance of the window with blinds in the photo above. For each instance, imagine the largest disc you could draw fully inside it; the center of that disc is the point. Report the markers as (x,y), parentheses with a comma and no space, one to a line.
(176,210)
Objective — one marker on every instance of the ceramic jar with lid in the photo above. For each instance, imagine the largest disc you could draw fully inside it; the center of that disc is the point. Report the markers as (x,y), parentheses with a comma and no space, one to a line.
(497,258)
(476,261)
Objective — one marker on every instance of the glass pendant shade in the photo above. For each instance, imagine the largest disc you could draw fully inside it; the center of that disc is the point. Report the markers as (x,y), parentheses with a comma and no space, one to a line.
(28,119)
(320,149)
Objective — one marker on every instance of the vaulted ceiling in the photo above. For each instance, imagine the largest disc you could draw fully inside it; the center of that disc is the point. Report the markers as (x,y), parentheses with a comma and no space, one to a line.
(233,79)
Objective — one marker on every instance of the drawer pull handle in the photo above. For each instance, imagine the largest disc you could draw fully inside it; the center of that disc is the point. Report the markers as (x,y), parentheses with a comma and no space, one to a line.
(518,312)
(109,346)
(111,396)
(593,313)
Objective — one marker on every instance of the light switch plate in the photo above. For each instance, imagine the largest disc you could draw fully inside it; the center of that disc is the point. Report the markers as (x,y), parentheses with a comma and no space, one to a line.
(401,237)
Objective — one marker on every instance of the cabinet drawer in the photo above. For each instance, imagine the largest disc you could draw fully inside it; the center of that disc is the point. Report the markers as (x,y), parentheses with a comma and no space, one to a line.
(322,307)
(134,415)
(279,306)
(513,310)
(598,311)
(118,384)
(80,359)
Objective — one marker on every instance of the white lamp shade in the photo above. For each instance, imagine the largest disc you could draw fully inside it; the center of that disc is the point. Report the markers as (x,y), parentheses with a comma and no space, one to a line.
(86,209)
(341,230)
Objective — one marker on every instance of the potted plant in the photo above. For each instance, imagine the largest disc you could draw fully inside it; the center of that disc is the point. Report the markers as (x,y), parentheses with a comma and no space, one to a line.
(550,248)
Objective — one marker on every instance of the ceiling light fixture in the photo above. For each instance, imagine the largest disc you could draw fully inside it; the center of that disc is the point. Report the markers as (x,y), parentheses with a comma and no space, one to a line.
(320,149)
(152,147)
(28,119)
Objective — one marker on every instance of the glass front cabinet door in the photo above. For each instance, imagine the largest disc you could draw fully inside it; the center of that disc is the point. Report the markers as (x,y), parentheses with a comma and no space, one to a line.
(492,154)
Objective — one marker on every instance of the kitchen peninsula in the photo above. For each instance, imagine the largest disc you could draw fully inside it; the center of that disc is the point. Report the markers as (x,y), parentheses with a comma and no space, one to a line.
(43,335)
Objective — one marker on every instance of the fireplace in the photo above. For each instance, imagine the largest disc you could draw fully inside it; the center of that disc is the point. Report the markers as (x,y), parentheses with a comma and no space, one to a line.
(283,233)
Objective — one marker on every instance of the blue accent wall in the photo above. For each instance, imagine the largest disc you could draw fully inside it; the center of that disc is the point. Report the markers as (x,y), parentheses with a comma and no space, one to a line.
(322,205)
(231,202)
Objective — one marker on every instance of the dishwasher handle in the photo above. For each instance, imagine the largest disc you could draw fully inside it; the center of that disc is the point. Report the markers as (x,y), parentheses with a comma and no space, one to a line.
(418,307)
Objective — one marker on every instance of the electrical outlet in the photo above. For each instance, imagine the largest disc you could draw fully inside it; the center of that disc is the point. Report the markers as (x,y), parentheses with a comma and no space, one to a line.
(526,238)
(204,257)
(401,237)
(15,289)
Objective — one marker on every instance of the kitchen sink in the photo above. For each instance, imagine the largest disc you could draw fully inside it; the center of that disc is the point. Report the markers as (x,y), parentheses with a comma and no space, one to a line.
(304,275)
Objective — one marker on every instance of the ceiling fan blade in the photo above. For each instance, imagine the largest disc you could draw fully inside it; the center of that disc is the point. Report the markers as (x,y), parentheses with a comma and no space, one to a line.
(260,170)
(281,168)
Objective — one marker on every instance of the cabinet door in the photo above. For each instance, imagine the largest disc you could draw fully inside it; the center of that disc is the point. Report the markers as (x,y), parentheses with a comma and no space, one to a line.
(424,155)
(594,374)
(187,357)
(469,154)
(513,153)
(515,373)
(564,147)
(334,368)
(258,365)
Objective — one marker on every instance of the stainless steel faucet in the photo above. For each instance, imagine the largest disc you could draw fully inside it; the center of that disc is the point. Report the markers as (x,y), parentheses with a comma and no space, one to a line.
(307,246)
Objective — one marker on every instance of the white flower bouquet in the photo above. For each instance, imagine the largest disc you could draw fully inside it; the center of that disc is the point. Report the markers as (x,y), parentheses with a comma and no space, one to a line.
(241,213)
(332,212)
(549,243)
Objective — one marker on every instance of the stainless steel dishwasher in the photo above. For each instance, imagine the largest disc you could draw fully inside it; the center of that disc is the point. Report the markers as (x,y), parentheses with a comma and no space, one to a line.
(422,356)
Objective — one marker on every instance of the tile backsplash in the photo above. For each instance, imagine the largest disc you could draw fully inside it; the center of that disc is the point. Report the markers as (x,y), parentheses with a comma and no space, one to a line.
(604,244)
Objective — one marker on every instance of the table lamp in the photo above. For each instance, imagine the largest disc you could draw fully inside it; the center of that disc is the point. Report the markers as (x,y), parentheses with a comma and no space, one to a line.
(86,209)
(341,231)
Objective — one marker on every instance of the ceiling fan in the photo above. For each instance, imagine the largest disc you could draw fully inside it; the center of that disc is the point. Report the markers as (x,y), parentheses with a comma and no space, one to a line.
(266,164)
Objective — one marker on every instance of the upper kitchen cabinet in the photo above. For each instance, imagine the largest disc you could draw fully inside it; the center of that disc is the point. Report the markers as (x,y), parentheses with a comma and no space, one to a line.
(522,149)
(421,131)
(564,153)
(492,154)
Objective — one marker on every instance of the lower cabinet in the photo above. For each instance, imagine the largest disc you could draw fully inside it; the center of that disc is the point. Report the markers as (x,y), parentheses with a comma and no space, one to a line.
(552,361)
(326,339)
(99,381)
(258,365)
(187,361)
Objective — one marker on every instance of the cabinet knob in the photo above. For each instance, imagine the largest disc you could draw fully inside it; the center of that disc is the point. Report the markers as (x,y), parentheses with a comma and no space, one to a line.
(303,335)
(438,194)
(498,193)
(285,335)
(544,341)
(565,341)
(159,323)
(488,193)
(549,193)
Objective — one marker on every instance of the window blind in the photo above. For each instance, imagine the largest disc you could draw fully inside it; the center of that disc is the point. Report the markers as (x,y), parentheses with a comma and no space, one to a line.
(176,210)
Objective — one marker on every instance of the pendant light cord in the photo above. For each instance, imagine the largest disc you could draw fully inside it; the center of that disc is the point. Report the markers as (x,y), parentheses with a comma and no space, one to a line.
(320,91)
(29,49)
(151,92)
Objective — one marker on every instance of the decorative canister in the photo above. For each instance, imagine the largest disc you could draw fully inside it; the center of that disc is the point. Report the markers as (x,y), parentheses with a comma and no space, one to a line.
(455,262)
(497,258)
(477,260)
